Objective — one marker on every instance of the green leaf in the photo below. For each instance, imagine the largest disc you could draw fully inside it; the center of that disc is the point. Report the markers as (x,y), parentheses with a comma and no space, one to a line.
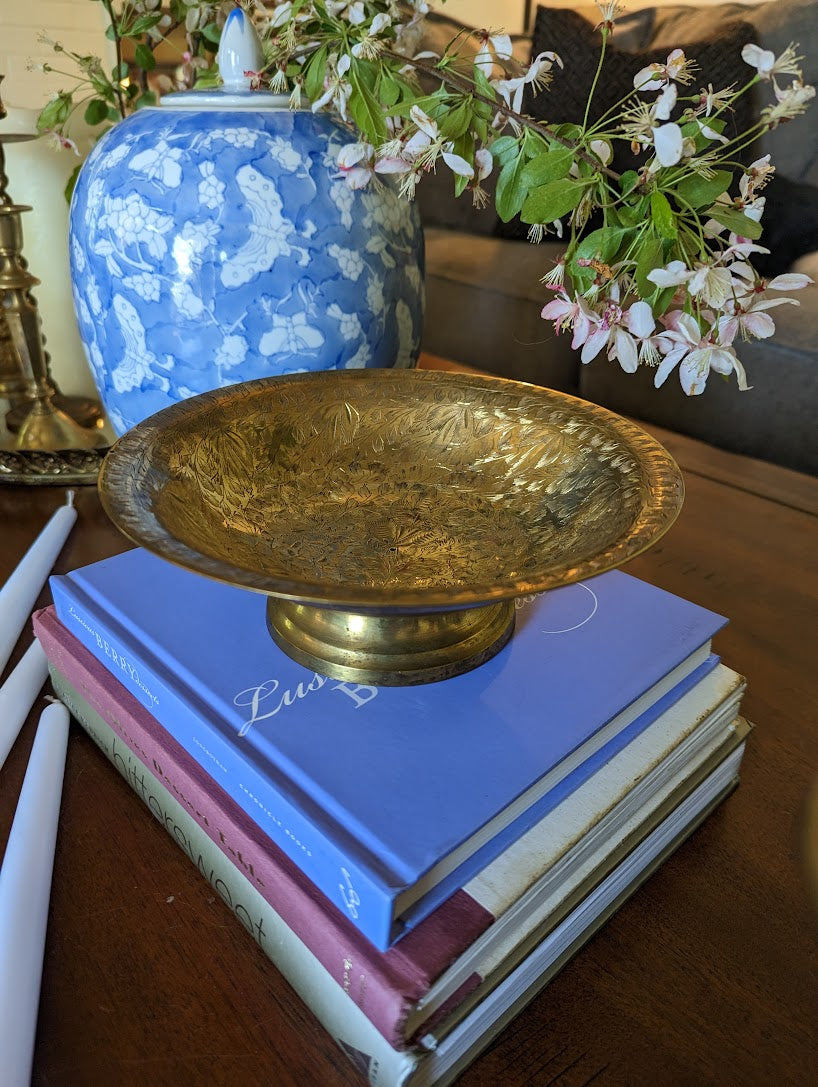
(55,113)
(602,244)
(649,256)
(314,75)
(389,90)
(463,146)
(96,112)
(367,74)
(568,131)
(548,166)
(143,55)
(206,78)
(700,191)
(481,84)
(533,144)
(550,202)
(143,24)
(504,149)
(634,214)
(454,122)
(662,215)
(402,109)
(628,182)
(366,109)
(72,181)
(511,191)
(736,221)
(146,99)
(661,299)
(212,33)
(119,72)
(481,129)
(103,87)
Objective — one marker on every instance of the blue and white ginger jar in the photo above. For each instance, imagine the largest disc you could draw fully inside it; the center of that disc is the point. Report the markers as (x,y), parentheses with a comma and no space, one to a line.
(213,240)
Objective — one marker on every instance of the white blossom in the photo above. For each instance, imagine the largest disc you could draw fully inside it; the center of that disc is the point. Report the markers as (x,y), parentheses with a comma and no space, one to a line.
(492,45)
(538,72)
(654,76)
(768,65)
(790,101)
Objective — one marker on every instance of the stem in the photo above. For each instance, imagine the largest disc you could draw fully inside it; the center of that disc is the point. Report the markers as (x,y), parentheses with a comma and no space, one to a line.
(596,76)
(692,212)
(109,7)
(460,83)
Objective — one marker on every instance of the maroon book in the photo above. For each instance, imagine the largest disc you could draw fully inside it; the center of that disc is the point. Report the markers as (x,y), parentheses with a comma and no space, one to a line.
(386,985)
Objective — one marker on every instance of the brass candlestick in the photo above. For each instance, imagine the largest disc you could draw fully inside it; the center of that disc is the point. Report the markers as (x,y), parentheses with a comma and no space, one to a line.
(44,427)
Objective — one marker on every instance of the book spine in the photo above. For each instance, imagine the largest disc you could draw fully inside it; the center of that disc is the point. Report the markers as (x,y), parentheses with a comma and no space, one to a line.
(364,895)
(382,1065)
(387,986)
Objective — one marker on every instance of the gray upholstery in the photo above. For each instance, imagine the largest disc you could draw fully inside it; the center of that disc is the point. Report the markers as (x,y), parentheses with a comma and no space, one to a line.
(483,302)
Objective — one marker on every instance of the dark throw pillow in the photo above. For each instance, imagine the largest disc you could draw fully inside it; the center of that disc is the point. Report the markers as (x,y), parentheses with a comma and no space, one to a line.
(565,32)
(574,39)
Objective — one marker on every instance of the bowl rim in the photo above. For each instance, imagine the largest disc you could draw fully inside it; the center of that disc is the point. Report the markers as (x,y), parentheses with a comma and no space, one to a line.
(127,506)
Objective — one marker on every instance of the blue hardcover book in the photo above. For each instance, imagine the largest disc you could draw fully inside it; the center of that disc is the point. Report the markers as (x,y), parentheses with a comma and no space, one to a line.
(388,798)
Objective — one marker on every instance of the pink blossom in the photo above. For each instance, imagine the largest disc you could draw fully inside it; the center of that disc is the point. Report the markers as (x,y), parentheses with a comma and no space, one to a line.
(354,163)
(575,314)
(696,355)
(58,142)
(619,331)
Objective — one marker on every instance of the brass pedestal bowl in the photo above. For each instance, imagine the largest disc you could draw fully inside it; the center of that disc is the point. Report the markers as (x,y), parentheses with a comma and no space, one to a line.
(391,516)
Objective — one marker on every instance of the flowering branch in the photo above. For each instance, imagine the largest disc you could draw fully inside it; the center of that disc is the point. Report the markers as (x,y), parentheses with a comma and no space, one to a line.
(451,79)
(666,279)
(657,268)
(118,76)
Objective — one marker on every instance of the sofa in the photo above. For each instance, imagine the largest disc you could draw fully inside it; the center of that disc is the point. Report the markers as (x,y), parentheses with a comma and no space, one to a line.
(484,293)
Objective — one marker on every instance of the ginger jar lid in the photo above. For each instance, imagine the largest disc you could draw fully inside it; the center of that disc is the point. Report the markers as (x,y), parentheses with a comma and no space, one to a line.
(240,55)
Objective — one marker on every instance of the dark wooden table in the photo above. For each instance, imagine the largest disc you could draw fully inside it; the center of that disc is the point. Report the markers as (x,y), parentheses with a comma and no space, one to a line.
(706,976)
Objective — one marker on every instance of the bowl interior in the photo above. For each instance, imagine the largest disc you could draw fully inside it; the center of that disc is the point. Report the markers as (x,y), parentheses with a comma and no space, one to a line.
(395,488)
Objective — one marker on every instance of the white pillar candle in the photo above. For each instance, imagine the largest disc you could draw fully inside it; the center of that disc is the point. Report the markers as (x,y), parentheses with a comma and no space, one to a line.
(25,890)
(19,595)
(18,694)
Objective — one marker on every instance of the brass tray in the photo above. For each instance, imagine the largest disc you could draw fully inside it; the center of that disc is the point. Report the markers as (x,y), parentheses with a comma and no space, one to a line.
(77,467)
(392,516)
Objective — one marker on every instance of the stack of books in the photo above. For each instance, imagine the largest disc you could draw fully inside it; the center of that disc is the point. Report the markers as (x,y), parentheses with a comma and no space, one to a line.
(417,861)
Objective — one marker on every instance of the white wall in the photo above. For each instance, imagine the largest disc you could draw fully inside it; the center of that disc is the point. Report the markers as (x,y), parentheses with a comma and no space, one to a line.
(77,24)
(37,175)
(493,14)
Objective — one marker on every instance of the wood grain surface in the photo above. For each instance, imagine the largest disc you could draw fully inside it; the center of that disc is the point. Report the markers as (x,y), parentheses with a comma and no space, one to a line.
(706,976)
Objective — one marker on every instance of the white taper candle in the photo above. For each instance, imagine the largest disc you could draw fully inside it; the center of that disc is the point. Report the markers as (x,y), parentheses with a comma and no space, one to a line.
(19,595)
(18,693)
(25,890)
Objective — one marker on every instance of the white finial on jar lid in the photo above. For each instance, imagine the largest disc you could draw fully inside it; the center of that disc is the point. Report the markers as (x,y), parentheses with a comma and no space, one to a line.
(239,52)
